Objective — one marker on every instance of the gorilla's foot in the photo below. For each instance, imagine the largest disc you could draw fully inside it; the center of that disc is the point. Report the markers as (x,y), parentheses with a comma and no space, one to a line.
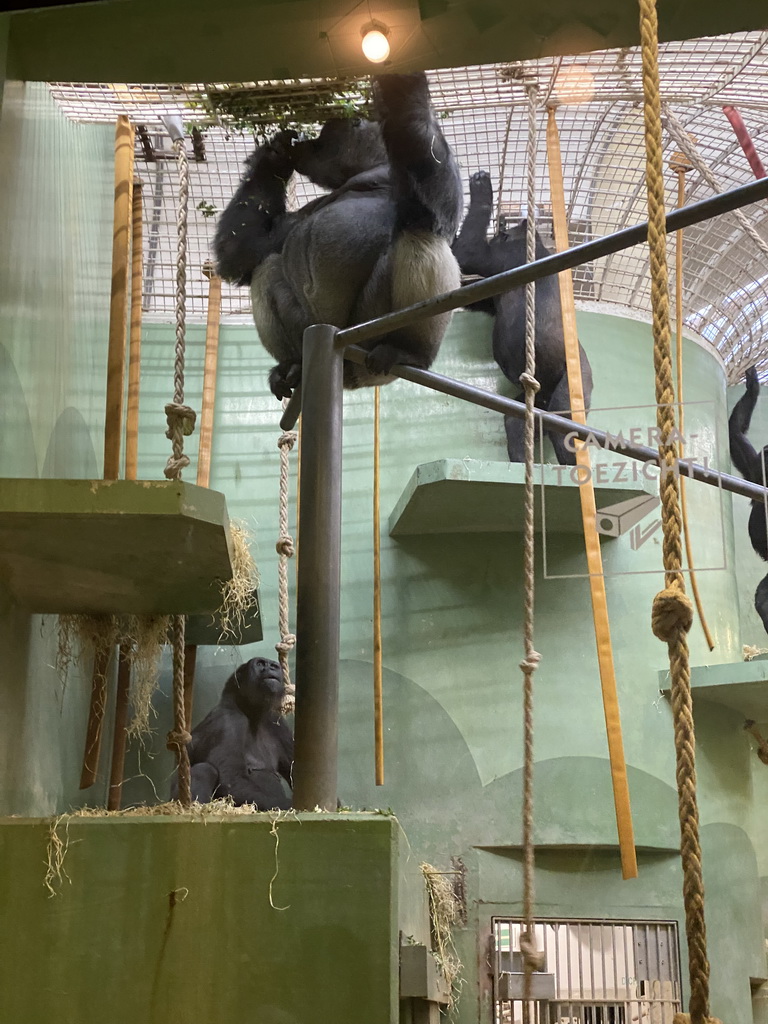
(480,188)
(382,358)
(283,378)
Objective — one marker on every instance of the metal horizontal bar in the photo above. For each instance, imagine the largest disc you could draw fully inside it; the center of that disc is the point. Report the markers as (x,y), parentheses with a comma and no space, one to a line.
(724,202)
(561,425)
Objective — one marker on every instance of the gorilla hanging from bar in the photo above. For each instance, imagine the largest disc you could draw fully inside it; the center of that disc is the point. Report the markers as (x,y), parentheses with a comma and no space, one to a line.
(752,466)
(377,242)
(243,748)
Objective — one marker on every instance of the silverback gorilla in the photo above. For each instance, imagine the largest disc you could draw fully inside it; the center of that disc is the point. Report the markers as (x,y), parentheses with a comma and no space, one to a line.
(243,747)
(378,241)
(476,255)
(752,466)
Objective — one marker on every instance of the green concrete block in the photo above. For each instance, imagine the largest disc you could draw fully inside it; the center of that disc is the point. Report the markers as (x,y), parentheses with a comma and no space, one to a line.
(137,547)
(469,496)
(166,919)
(742,686)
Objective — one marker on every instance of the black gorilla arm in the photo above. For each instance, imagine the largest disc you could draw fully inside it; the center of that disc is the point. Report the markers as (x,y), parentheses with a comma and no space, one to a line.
(743,455)
(255,222)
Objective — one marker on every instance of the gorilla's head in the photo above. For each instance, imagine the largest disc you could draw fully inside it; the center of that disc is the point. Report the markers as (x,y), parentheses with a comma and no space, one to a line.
(256,686)
(345,147)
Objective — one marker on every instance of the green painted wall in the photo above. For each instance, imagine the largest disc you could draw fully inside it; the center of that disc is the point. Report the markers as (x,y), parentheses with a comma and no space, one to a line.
(166,921)
(55,222)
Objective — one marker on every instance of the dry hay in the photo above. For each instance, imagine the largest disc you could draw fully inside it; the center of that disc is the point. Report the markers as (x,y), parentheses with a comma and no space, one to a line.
(445,914)
(85,637)
(148,634)
(750,651)
(238,595)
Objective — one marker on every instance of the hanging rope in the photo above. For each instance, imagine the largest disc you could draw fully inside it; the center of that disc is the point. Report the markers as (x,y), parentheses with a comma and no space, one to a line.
(532,959)
(680,166)
(181,422)
(285,550)
(180,417)
(178,738)
(672,610)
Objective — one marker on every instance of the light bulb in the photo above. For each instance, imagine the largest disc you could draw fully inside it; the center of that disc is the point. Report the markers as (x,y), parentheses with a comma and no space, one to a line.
(375,46)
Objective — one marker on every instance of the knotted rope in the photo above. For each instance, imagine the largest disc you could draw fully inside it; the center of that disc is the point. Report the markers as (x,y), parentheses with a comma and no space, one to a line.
(178,737)
(285,550)
(181,422)
(180,417)
(532,959)
(672,610)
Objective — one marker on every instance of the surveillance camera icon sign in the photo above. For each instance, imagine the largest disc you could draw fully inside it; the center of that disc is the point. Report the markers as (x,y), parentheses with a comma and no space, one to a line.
(625,516)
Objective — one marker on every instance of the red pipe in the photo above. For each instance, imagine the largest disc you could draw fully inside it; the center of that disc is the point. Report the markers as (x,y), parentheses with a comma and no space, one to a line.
(740,130)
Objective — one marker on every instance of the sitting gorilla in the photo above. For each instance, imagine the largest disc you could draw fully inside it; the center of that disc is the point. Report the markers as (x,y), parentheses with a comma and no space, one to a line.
(507,250)
(379,241)
(243,746)
(752,466)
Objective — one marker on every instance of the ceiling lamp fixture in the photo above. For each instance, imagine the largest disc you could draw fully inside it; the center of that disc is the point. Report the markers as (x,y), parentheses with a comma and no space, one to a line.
(375,42)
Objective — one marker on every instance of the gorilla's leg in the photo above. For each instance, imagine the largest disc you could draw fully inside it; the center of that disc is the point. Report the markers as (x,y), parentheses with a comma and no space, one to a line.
(262,787)
(515,429)
(205,781)
(560,404)
(471,245)
(761,601)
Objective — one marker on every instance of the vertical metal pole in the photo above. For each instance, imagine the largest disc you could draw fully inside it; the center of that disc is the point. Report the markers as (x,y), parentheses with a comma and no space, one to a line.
(318,597)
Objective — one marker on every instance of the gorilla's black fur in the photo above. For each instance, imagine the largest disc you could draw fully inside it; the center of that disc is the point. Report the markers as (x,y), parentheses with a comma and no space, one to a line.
(752,466)
(243,747)
(379,241)
(476,255)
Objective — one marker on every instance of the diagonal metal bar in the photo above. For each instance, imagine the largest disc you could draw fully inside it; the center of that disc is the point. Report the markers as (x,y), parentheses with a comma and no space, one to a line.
(546,421)
(724,202)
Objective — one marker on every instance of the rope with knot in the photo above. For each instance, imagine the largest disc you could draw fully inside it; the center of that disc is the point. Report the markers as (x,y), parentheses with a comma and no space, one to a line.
(285,550)
(180,417)
(533,960)
(181,423)
(672,612)
(178,737)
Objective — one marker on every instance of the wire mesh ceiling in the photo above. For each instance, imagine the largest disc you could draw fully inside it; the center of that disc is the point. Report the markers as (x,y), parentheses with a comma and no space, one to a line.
(599,111)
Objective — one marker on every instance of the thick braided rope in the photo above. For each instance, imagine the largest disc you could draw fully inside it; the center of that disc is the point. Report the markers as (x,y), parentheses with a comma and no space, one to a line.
(180,417)
(285,550)
(178,738)
(683,140)
(672,612)
(532,958)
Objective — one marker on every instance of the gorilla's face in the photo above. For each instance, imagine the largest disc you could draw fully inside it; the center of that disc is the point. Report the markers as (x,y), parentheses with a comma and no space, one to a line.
(257,684)
(345,147)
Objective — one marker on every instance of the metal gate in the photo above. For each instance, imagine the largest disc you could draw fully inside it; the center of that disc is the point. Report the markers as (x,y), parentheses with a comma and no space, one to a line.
(596,972)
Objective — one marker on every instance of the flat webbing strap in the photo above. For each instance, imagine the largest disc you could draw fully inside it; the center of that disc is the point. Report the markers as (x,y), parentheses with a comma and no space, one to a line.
(672,610)
(589,518)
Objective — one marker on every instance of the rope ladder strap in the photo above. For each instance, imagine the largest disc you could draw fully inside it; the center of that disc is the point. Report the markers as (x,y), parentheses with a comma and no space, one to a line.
(672,613)
(533,959)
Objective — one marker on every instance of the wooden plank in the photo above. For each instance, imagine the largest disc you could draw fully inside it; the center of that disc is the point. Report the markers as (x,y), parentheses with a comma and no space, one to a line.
(134,348)
(103,547)
(118,309)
